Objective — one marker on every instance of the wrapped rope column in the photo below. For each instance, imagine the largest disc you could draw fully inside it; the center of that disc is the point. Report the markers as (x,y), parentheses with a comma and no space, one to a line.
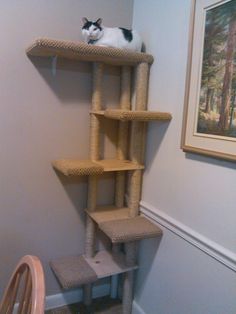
(122,149)
(98,69)
(138,134)
(122,145)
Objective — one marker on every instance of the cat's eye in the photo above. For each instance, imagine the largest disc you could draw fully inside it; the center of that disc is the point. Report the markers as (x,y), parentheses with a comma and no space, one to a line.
(95,28)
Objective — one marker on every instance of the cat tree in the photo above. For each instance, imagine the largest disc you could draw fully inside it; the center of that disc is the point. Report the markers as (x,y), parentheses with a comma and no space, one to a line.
(119,222)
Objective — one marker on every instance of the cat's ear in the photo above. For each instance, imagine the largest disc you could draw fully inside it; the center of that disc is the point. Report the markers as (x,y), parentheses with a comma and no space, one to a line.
(84,20)
(99,21)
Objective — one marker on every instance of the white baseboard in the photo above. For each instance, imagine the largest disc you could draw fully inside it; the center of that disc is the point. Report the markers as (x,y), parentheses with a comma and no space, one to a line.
(70,297)
(213,249)
(74,296)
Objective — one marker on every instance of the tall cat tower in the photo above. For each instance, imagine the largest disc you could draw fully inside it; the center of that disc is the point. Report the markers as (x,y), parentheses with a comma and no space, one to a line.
(121,223)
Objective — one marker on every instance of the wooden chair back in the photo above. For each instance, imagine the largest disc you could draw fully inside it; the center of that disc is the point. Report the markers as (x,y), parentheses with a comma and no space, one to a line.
(25,292)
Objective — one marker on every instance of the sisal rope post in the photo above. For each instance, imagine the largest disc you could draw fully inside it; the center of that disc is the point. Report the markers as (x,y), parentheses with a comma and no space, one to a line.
(114,278)
(98,69)
(130,255)
(121,154)
(137,143)
(94,154)
(138,136)
(88,295)
(122,145)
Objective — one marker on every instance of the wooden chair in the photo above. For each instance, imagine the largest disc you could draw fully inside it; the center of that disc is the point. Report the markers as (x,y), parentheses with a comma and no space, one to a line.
(26,288)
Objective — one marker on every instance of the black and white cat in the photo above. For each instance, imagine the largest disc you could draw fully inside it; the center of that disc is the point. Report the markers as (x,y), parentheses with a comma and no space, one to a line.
(117,37)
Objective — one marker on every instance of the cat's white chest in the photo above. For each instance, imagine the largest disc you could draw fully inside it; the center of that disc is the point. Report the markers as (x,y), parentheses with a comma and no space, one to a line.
(112,37)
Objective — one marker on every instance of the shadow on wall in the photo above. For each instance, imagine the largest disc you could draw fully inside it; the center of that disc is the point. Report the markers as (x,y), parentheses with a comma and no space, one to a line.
(71,80)
(151,248)
(210,160)
(76,189)
(155,135)
(109,129)
(68,79)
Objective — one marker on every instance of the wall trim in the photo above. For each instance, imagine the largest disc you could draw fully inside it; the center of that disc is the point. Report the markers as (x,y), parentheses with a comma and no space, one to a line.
(74,296)
(218,252)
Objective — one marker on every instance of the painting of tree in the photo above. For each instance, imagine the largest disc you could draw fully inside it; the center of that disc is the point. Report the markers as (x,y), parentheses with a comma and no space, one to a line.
(217,102)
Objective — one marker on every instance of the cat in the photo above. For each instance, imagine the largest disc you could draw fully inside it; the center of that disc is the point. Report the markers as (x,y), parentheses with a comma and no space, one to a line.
(117,37)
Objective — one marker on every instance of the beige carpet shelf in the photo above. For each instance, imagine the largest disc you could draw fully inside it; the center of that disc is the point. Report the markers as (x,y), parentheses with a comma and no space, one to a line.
(76,167)
(47,47)
(137,115)
(73,271)
(131,229)
(108,213)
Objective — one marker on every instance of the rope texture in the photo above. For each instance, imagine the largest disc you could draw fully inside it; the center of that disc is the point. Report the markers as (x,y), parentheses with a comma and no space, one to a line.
(75,167)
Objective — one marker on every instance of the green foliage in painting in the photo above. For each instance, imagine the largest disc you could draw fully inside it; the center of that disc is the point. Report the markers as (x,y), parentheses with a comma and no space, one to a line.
(217,105)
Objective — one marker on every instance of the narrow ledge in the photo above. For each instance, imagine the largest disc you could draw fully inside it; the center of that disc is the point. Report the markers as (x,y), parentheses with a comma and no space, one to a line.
(134,115)
(76,167)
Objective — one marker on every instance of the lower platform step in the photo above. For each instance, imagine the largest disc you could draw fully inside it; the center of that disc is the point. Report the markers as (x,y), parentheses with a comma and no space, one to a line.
(73,271)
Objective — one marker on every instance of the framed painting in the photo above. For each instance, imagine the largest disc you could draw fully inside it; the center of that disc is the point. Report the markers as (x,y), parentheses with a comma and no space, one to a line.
(209,125)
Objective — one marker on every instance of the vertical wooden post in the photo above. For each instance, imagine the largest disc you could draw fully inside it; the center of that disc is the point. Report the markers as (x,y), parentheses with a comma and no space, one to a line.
(92,180)
(127,300)
(122,149)
(137,143)
(138,136)
(122,146)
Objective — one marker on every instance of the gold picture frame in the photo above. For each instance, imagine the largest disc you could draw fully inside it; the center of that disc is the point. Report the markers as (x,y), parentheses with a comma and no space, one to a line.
(209,122)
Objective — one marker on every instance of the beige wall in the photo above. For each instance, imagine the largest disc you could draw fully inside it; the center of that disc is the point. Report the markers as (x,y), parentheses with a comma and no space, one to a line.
(192,268)
(44,117)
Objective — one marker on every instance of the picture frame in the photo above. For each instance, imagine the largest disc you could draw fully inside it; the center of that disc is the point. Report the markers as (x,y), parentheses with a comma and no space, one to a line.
(209,119)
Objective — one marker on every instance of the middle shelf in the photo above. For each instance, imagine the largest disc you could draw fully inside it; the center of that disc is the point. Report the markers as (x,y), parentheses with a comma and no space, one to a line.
(119,226)
(109,213)
(76,167)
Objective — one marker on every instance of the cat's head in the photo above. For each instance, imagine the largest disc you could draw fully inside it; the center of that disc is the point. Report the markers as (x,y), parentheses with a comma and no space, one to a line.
(92,30)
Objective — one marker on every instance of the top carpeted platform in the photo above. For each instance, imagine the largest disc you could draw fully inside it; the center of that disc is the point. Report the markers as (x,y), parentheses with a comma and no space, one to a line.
(46,47)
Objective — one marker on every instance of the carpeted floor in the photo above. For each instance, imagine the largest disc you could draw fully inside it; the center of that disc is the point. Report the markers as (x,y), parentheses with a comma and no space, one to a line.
(100,306)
